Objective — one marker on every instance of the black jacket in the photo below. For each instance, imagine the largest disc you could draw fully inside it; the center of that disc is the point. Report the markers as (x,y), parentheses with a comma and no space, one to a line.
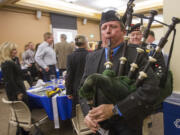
(75,69)
(137,105)
(13,79)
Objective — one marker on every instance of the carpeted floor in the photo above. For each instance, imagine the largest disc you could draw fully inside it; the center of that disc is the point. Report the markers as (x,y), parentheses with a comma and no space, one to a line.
(47,127)
(66,126)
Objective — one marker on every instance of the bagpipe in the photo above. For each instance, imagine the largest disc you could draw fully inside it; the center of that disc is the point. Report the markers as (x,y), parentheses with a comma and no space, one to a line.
(117,87)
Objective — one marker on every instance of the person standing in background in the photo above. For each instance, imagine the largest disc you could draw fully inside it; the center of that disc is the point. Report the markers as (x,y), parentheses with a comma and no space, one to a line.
(13,77)
(63,49)
(151,38)
(28,57)
(38,68)
(99,45)
(26,47)
(12,73)
(46,57)
(75,69)
(15,58)
(25,66)
(152,42)
(135,36)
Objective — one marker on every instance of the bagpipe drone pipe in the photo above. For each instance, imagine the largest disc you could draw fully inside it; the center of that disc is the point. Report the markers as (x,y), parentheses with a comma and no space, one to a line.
(116,88)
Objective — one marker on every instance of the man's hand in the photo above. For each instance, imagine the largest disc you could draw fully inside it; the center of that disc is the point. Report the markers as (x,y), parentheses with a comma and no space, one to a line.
(91,124)
(20,96)
(70,96)
(102,112)
(47,69)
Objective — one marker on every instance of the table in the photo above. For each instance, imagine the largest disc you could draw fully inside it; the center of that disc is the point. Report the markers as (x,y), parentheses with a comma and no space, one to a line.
(64,104)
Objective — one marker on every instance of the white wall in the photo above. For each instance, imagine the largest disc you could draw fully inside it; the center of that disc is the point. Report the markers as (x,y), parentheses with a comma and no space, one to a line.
(170,9)
(159,32)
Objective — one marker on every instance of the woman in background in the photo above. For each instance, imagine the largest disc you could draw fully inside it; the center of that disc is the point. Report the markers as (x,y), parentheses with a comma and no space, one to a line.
(13,77)
(75,69)
(12,73)
(26,73)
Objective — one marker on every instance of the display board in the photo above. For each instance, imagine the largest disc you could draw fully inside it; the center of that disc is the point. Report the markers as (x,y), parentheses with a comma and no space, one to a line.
(71,34)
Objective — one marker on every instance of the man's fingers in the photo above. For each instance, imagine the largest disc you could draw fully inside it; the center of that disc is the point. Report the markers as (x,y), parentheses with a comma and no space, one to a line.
(90,122)
(97,114)
(93,124)
(94,115)
(94,110)
(94,129)
(100,119)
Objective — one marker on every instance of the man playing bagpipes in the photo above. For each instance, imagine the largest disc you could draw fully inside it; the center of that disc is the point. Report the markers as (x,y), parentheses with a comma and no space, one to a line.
(124,115)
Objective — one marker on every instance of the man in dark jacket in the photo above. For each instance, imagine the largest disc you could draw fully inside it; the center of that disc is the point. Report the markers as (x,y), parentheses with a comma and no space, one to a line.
(126,116)
(75,69)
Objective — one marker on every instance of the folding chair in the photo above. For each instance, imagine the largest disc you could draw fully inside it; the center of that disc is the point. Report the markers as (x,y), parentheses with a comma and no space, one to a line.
(27,86)
(21,113)
(78,123)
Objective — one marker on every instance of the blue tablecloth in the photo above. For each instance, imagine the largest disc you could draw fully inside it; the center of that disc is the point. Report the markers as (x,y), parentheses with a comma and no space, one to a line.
(63,103)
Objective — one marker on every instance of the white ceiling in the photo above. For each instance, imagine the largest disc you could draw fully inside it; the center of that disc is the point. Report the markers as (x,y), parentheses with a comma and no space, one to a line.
(91,8)
(120,5)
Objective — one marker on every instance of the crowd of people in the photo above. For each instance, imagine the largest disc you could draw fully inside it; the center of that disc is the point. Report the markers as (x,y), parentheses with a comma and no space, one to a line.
(123,118)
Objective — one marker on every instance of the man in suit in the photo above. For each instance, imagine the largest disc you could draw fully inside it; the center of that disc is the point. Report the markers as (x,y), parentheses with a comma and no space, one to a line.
(63,49)
(75,69)
(126,116)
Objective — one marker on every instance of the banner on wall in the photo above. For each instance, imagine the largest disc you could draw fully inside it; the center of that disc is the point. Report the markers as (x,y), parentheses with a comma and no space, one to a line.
(71,34)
